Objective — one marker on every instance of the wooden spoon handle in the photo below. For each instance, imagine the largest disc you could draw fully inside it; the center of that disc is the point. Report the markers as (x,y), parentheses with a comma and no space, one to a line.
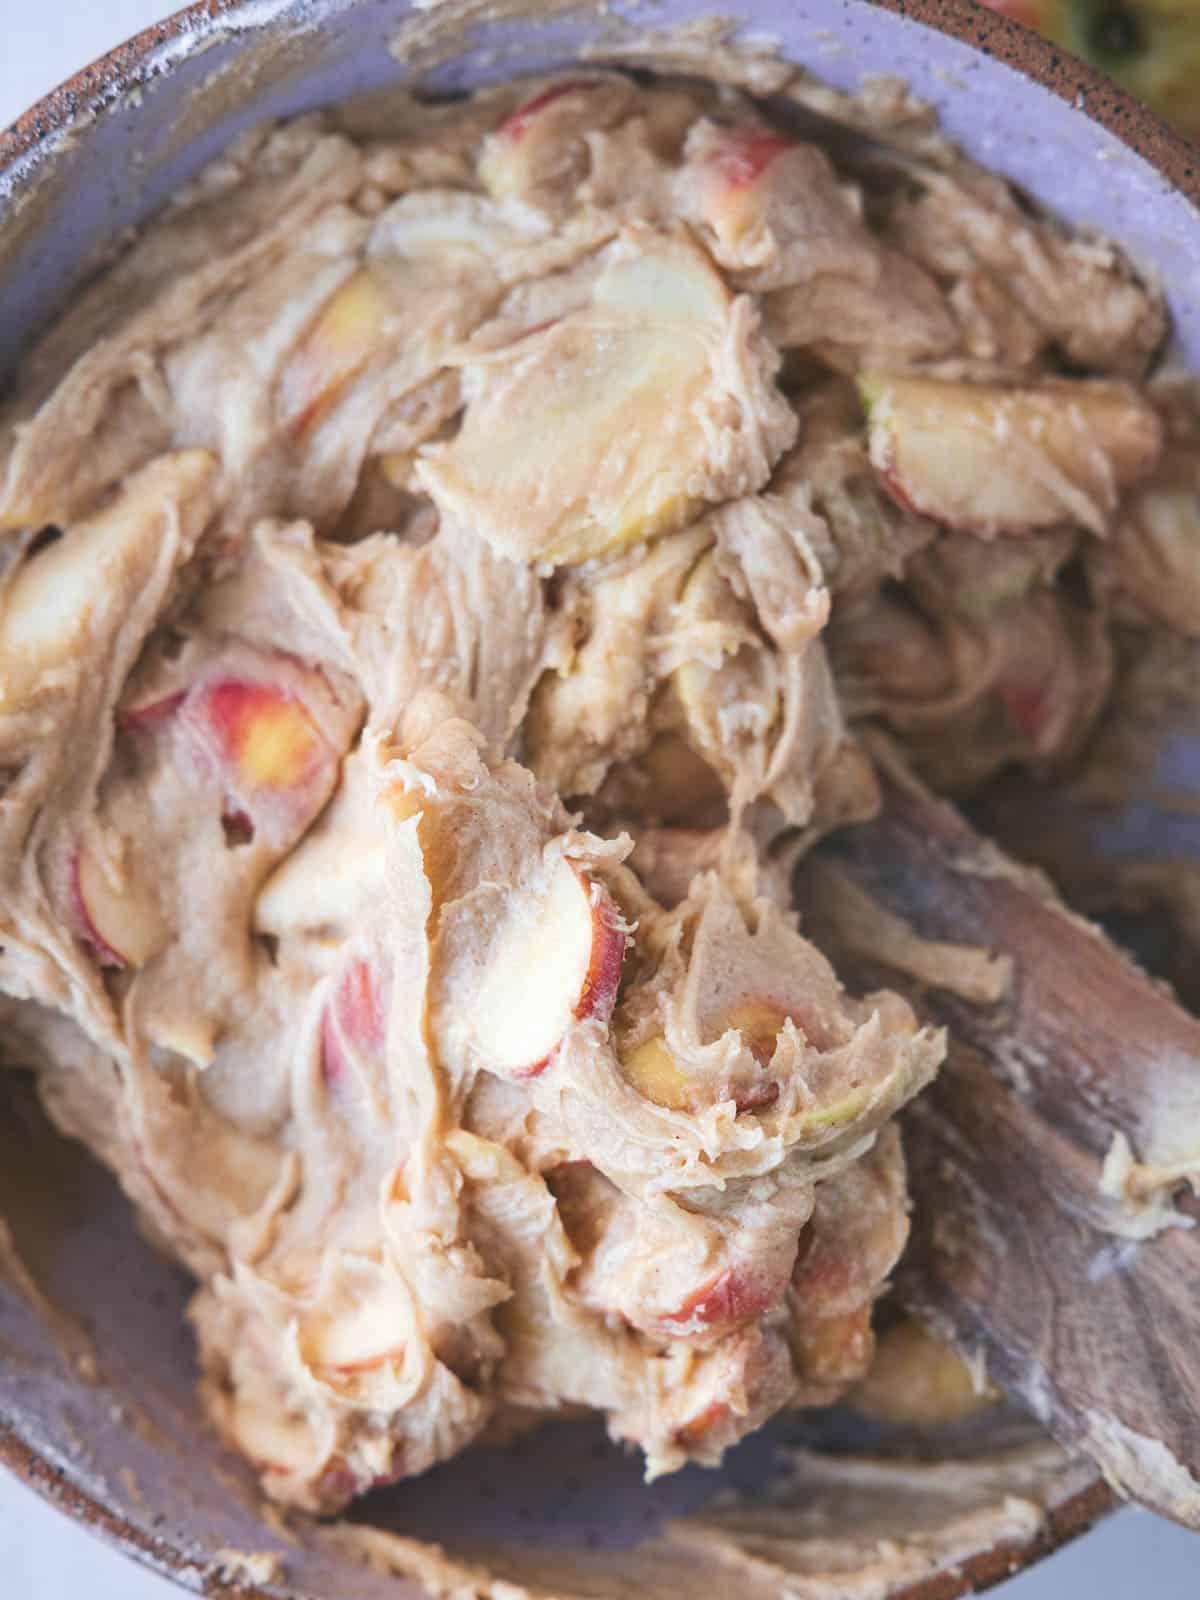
(1047,1158)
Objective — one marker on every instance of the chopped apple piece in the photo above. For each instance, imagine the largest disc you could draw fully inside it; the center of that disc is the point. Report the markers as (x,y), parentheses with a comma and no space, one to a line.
(994,460)
(539,150)
(354,1022)
(759,1022)
(728,1298)
(364,1336)
(835,1349)
(337,344)
(337,870)
(47,608)
(271,1442)
(728,687)
(734,197)
(118,919)
(189,1036)
(917,1381)
(1156,550)
(151,714)
(264,735)
(771,209)
(561,964)
(654,1072)
(656,1075)
(616,423)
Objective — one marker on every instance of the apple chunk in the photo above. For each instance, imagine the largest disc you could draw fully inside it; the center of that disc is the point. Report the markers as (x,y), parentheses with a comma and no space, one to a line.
(615,424)
(56,593)
(539,153)
(656,1075)
(734,193)
(991,459)
(118,919)
(262,734)
(917,1381)
(558,961)
(271,1442)
(337,344)
(654,1072)
(354,1022)
(364,1336)
(731,1296)
(339,868)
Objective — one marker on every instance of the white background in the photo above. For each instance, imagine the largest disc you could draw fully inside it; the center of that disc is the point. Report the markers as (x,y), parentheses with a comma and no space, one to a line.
(1133,1556)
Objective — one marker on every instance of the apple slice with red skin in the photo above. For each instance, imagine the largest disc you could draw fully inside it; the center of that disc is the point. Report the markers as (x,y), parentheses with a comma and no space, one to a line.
(561,965)
(748,153)
(336,346)
(258,732)
(732,1295)
(516,126)
(356,1016)
(542,140)
(997,459)
(262,733)
(151,714)
(117,921)
(734,176)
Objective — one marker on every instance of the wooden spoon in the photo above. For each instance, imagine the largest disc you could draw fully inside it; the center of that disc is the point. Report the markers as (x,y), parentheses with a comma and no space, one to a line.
(1050,1159)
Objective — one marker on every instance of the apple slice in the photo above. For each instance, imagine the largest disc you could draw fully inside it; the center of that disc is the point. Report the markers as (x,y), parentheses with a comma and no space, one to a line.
(150,715)
(118,919)
(366,1335)
(1156,549)
(728,687)
(539,152)
(771,209)
(833,1350)
(337,344)
(727,1299)
(270,1441)
(261,733)
(615,424)
(558,962)
(1006,460)
(735,191)
(917,1381)
(655,1073)
(354,1022)
(337,870)
(46,609)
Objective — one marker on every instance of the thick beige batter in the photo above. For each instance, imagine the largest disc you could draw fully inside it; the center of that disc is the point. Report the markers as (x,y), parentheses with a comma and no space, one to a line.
(441,573)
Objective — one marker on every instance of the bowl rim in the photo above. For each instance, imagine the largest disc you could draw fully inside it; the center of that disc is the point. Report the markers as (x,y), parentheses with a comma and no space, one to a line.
(99,85)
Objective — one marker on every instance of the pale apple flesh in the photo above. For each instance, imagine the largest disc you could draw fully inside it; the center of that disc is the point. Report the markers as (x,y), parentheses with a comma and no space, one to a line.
(363,1336)
(118,918)
(562,966)
(994,460)
(338,344)
(545,465)
(353,1024)
(916,1380)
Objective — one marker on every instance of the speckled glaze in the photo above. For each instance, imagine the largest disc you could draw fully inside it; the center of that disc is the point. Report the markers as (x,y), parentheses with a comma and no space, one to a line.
(127,1454)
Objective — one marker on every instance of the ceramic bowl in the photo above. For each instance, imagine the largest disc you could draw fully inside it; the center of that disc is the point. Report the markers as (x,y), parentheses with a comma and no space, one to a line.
(97,1408)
